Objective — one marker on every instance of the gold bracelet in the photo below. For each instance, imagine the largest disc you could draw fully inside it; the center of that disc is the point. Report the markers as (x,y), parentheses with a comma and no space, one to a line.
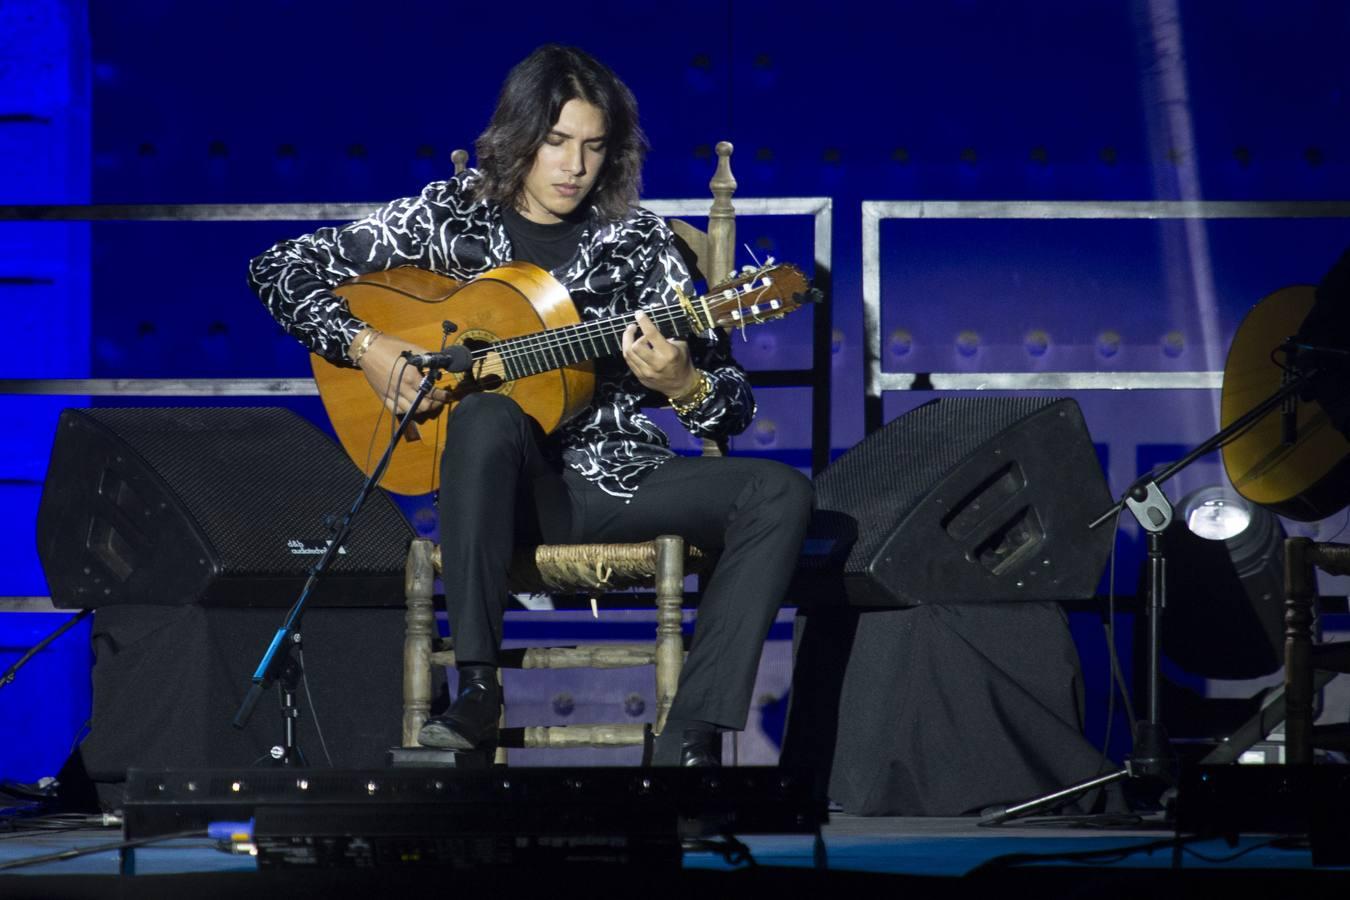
(359,347)
(694,399)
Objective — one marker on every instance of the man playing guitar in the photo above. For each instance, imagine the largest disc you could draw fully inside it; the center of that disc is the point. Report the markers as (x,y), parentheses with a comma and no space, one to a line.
(557,186)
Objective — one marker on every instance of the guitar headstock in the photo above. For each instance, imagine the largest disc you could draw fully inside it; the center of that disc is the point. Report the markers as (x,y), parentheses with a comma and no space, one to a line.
(756,295)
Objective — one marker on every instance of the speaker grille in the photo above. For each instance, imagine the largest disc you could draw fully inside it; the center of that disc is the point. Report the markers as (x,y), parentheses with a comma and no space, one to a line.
(879,480)
(255,479)
(210,505)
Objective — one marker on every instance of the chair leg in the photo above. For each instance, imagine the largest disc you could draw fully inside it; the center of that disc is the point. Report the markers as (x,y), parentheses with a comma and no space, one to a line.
(669,618)
(1299,587)
(420,626)
(499,756)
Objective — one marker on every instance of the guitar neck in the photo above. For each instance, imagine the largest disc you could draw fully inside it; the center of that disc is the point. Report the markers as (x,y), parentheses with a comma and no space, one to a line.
(557,348)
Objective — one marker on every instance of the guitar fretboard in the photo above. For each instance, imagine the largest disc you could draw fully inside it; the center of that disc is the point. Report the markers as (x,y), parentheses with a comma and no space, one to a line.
(556,348)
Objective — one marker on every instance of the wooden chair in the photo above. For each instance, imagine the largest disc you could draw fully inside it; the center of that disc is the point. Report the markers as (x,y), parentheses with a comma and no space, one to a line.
(585,568)
(1302,657)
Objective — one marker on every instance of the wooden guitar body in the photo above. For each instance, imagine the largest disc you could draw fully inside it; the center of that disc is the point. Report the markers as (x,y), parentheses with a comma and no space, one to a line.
(526,342)
(1310,478)
(411,304)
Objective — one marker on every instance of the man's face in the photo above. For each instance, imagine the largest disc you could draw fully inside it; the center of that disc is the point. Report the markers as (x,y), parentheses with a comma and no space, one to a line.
(566,164)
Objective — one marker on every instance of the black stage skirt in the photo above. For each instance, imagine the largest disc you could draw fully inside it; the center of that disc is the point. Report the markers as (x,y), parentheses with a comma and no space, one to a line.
(938,710)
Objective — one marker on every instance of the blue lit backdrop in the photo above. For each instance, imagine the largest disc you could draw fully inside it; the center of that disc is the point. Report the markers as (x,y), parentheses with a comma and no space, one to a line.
(160,102)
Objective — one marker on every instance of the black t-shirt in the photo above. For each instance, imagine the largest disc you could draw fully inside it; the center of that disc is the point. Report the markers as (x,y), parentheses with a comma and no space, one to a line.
(547,246)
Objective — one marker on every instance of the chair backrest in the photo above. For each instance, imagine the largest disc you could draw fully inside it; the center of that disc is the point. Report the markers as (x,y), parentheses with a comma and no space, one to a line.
(713,251)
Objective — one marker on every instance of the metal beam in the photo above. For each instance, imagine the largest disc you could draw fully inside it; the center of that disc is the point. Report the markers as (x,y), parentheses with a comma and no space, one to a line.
(1107,209)
(1043,381)
(162,387)
(326,212)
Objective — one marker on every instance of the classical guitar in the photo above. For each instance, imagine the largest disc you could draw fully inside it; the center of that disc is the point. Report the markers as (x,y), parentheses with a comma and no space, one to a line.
(527,342)
(1309,478)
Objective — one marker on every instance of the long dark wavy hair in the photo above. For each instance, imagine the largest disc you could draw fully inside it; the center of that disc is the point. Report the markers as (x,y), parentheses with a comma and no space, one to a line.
(528,107)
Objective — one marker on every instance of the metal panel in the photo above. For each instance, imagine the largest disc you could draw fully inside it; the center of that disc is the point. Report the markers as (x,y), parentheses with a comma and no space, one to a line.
(873,212)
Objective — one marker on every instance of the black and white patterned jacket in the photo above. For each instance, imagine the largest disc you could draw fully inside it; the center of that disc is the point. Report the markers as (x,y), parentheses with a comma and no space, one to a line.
(618,267)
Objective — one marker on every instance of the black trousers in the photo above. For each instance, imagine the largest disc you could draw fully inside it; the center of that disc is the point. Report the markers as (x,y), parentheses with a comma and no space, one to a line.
(498,491)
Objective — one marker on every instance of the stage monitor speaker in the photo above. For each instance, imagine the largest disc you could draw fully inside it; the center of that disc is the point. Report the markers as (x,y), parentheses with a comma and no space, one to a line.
(968,500)
(213,506)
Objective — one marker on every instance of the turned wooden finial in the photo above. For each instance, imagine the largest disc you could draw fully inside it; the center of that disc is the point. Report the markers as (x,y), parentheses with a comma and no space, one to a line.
(723,183)
(461,159)
(722,218)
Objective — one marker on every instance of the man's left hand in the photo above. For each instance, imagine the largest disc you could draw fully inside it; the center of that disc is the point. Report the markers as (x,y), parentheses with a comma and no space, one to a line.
(660,364)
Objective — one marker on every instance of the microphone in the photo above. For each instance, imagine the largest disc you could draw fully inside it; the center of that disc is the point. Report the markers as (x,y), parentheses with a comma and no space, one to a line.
(455,358)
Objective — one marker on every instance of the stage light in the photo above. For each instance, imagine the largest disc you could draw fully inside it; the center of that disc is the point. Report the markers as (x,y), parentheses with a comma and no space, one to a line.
(1224,616)
(1036,342)
(1173,344)
(1108,343)
(1224,586)
(968,343)
(1216,514)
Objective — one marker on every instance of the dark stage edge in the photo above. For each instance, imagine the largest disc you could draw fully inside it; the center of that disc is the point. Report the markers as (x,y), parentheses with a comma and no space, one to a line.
(923,857)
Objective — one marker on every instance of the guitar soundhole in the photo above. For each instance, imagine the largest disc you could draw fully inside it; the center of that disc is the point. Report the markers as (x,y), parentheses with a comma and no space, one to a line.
(489,383)
(486,373)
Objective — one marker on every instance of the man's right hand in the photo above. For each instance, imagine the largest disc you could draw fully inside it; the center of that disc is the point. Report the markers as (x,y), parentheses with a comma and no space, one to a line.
(395,382)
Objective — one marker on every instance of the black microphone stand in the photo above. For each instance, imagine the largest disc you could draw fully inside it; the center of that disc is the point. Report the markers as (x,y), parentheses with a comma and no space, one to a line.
(8,677)
(277,663)
(1152,756)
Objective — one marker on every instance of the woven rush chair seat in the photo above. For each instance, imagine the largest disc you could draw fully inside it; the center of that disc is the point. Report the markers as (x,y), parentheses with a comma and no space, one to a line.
(592,567)
(580,568)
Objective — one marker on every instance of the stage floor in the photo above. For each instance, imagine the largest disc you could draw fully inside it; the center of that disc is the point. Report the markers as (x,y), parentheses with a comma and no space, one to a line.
(923,856)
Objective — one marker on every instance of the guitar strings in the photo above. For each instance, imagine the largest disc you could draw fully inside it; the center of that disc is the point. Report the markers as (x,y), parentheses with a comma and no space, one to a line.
(602,330)
(740,307)
(434,460)
(553,342)
(572,335)
(552,345)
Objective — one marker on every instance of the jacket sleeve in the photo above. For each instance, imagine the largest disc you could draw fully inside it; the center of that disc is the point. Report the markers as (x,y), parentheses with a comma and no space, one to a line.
(730,405)
(295,278)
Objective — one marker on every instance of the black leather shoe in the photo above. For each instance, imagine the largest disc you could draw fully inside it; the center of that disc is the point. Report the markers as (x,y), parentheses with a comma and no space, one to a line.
(471,721)
(701,749)
(696,748)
